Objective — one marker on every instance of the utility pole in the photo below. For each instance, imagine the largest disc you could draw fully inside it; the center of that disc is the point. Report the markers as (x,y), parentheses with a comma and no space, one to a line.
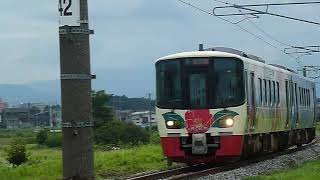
(77,122)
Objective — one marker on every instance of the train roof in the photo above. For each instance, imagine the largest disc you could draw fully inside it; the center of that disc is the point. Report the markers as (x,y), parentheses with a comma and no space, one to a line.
(229,52)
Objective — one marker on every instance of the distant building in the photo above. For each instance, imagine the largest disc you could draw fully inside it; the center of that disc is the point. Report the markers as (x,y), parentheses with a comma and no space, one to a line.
(143,118)
(29,116)
(3,105)
(124,115)
(16,118)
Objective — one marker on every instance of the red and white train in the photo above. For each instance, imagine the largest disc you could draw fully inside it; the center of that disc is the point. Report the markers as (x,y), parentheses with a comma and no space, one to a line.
(222,104)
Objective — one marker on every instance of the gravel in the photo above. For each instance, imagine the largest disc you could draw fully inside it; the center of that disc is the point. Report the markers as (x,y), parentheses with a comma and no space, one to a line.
(280,162)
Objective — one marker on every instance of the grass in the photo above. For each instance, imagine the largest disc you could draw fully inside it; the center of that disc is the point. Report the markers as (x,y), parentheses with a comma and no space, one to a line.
(318,128)
(307,171)
(43,163)
(46,164)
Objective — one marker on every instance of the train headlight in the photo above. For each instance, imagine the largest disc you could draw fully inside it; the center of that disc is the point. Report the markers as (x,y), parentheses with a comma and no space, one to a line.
(173,124)
(226,122)
(229,122)
(170,123)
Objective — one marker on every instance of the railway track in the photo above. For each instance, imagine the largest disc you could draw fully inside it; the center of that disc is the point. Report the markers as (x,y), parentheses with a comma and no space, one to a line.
(194,172)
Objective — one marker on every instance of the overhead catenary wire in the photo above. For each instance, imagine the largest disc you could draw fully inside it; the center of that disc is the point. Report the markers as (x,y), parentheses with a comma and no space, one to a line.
(236,24)
(255,12)
(267,34)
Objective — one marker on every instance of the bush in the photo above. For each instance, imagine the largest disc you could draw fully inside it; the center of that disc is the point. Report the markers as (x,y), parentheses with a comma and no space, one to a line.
(155,138)
(134,135)
(116,133)
(16,153)
(54,140)
(42,136)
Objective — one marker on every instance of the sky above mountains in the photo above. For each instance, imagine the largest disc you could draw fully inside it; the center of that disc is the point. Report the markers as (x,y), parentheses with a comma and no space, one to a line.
(131,35)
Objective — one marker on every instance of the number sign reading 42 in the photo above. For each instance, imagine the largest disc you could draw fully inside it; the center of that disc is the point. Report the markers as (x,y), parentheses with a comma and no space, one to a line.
(69,12)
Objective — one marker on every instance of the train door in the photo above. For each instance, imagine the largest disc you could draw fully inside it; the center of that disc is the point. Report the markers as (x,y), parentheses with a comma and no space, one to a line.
(295,108)
(288,103)
(251,96)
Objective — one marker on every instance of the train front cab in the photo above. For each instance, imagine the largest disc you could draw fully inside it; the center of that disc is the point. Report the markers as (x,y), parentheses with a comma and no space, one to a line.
(201,108)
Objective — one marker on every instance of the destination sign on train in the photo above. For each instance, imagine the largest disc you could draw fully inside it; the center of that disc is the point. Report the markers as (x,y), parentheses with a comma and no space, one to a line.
(69,12)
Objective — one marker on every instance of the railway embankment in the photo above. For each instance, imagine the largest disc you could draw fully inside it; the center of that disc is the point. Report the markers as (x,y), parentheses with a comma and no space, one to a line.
(288,166)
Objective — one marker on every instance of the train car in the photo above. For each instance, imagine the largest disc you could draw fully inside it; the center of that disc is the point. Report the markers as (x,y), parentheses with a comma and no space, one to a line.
(221,105)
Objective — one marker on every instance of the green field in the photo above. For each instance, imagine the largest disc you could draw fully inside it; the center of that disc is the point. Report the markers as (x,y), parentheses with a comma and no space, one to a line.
(26,134)
(46,164)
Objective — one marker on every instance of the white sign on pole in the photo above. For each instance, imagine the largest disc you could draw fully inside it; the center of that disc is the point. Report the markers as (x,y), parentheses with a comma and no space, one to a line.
(69,12)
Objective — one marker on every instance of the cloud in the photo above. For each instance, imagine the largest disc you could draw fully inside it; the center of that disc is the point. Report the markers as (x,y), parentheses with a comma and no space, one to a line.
(131,35)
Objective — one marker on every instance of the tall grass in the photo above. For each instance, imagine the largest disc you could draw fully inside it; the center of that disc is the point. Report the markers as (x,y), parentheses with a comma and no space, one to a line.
(46,164)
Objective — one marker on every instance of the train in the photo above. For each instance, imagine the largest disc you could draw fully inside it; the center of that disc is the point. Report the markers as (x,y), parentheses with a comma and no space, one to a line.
(222,105)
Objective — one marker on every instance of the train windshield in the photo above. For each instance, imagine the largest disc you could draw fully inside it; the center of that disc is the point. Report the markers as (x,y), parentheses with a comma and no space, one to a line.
(200,83)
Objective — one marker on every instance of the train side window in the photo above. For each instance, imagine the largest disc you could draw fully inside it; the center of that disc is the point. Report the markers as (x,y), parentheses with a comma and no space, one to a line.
(304,97)
(287,94)
(292,93)
(260,91)
(247,86)
(296,94)
(300,96)
(274,92)
(265,92)
(308,97)
(278,94)
(270,99)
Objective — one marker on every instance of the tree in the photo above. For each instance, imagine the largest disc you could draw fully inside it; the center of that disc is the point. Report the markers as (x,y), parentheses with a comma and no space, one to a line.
(101,112)
(42,136)
(16,153)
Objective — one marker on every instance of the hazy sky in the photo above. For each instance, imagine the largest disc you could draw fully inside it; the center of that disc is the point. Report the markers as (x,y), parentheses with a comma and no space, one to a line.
(131,34)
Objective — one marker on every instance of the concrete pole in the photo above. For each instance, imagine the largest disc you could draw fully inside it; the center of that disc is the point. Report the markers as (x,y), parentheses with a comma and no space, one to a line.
(77,122)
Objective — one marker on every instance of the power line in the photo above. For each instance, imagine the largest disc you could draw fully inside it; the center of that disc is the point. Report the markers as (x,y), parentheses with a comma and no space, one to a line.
(209,13)
(255,12)
(266,33)
(236,24)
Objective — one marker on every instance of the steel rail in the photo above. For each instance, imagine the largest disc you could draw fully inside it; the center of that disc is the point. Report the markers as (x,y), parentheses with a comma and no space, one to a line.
(188,172)
(162,174)
(214,170)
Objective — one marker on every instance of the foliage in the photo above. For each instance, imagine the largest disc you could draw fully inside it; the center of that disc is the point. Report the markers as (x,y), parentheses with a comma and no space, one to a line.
(101,112)
(16,153)
(108,130)
(135,104)
(154,138)
(42,136)
(117,132)
(54,140)
(14,133)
